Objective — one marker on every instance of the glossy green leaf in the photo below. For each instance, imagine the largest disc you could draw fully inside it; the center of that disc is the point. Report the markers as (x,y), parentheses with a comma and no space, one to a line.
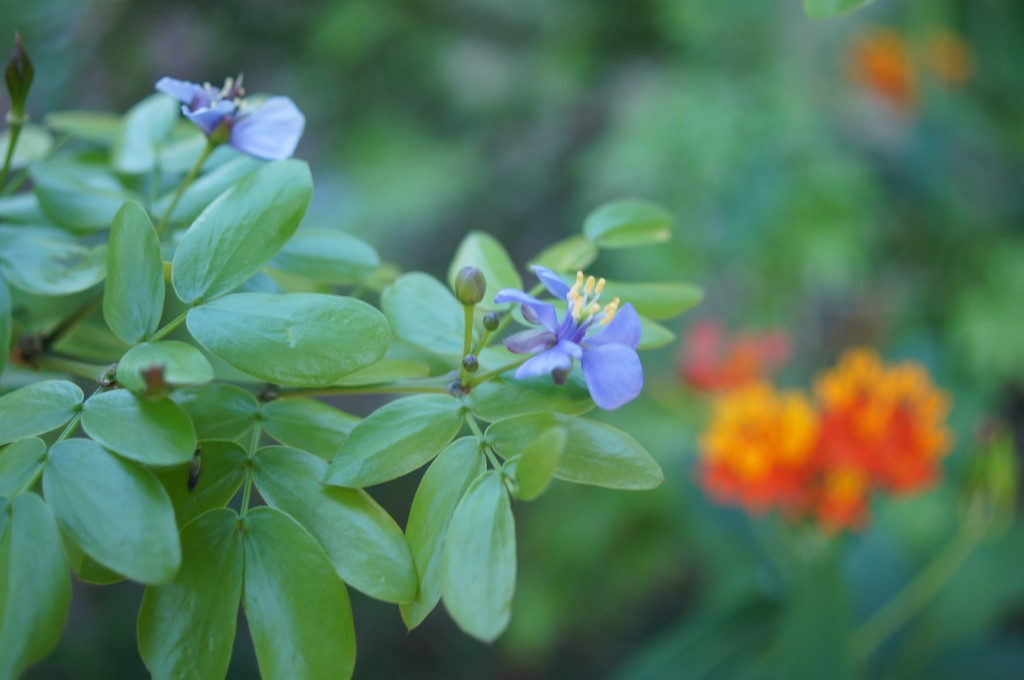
(241,231)
(154,432)
(655,300)
(301,339)
(387,370)
(297,607)
(505,397)
(182,364)
(35,590)
(34,144)
(206,188)
(628,223)
(187,626)
(52,266)
(79,194)
(221,471)
(144,127)
(20,462)
(570,255)
(653,335)
(327,256)
(824,9)
(486,253)
(535,468)
(37,408)
(92,341)
(365,545)
(218,411)
(133,298)
(440,490)
(116,511)
(88,126)
(424,312)
(85,568)
(478,576)
(396,439)
(5,322)
(595,453)
(307,424)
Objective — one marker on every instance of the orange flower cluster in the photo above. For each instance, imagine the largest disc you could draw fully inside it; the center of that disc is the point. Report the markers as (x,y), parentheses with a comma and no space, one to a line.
(881,60)
(713,360)
(872,428)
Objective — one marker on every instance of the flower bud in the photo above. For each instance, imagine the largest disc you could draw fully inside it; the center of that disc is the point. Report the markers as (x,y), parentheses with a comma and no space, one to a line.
(470,285)
(491,321)
(19,79)
(470,363)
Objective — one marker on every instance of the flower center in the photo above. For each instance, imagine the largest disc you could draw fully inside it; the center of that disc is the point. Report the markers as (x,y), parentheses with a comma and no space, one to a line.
(583,307)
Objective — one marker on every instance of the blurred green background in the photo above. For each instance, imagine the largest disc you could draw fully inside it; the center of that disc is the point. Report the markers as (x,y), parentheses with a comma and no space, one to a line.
(808,197)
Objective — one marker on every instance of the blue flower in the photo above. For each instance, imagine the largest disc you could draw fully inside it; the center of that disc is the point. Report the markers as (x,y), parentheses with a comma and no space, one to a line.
(604,339)
(270,131)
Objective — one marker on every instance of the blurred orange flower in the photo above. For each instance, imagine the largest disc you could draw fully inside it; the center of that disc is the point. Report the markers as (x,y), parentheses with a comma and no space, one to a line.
(714,361)
(873,429)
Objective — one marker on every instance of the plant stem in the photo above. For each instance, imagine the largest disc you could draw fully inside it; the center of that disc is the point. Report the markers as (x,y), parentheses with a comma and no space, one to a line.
(474,426)
(70,429)
(914,596)
(484,377)
(15,132)
(68,324)
(183,186)
(171,325)
(427,386)
(467,342)
(254,442)
(79,368)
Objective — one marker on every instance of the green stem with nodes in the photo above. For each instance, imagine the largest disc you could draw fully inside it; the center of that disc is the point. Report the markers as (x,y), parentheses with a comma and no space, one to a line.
(484,377)
(65,365)
(475,429)
(917,594)
(210,146)
(171,325)
(467,342)
(70,429)
(9,156)
(418,386)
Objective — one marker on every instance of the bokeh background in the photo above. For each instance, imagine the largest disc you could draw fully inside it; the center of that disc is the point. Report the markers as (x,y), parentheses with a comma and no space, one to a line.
(846,182)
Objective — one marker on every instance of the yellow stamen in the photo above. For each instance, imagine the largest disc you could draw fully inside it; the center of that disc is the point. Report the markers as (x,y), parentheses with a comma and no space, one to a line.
(577,308)
(593,309)
(590,285)
(609,311)
(600,286)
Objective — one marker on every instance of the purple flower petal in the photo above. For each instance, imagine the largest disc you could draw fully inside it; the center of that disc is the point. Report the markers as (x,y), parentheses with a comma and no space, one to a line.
(534,310)
(208,119)
(192,95)
(624,329)
(551,281)
(270,132)
(613,373)
(558,357)
(533,340)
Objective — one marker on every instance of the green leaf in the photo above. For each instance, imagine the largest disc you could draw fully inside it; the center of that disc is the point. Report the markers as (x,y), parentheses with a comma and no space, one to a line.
(117,512)
(327,256)
(205,188)
(241,231)
(35,591)
(824,9)
(45,265)
(154,432)
(505,397)
(653,335)
(307,424)
(187,626)
(440,490)
(365,545)
(570,255)
(424,312)
(628,223)
(297,607)
(20,462)
(22,209)
(182,364)
(85,568)
(396,439)
(88,126)
(218,411)
(78,194)
(478,577)
(486,253)
(145,126)
(387,370)
(595,453)
(655,300)
(5,322)
(221,471)
(133,298)
(301,339)
(535,468)
(37,408)
(34,144)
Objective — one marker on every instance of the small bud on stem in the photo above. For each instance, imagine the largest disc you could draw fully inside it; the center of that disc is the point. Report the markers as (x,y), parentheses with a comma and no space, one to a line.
(470,285)
(18,76)
(491,321)
(470,363)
